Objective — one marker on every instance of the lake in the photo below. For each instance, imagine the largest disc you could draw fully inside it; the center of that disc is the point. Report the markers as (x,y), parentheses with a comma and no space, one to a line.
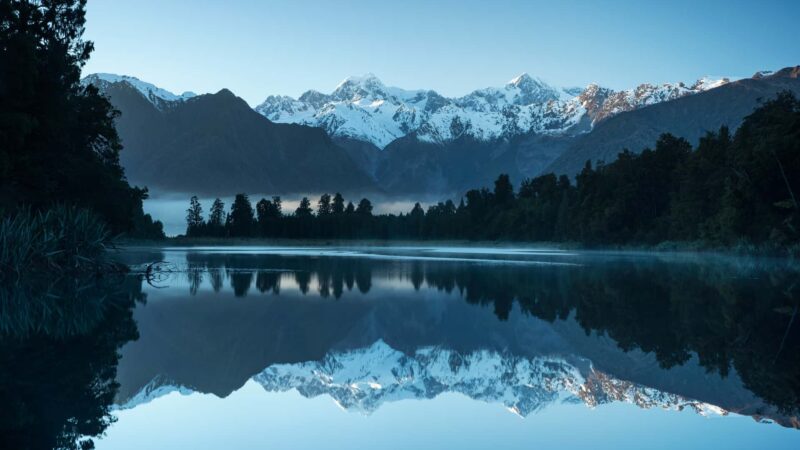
(405,347)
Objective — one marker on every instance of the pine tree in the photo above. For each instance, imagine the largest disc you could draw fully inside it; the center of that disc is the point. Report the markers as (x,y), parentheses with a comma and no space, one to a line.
(263,209)
(241,216)
(338,204)
(194,217)
(58,141)
(503,191)
(304,209)
(324,205)
(216,217)
(277,207)
(364,208)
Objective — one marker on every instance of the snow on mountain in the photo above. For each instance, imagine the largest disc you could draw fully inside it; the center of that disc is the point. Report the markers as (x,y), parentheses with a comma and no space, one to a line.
(366,109)
(154,94)
(602,103)
(362,380)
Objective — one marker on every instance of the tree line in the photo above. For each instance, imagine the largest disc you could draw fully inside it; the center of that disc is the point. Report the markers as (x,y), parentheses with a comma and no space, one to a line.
(728,190)
(58,141)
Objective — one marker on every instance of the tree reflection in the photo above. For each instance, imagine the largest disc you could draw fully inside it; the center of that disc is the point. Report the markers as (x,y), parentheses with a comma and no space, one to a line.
(59,346)
(268,281)
(733,314)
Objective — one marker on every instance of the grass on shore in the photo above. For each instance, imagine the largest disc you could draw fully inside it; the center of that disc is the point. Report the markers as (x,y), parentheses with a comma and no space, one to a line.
(58,241)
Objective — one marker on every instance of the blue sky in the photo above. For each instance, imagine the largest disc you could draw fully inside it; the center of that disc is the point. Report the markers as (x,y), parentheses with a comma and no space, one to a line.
(257,48)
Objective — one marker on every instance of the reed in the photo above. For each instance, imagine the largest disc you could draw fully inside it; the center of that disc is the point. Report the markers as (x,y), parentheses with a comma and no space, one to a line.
(59,241)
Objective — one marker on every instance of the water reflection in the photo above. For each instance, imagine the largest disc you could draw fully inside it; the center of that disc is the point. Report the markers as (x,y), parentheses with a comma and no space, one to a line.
(59,343)
(367,327)
(709,331)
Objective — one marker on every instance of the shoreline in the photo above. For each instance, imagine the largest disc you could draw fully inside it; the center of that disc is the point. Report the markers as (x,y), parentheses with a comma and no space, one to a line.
(666,248)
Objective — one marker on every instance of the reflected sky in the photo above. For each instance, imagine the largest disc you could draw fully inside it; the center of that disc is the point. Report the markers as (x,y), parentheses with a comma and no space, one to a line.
(437,347)
(252,418)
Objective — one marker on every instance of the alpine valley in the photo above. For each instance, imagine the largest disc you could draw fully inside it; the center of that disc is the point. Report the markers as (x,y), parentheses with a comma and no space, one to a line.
(366,137)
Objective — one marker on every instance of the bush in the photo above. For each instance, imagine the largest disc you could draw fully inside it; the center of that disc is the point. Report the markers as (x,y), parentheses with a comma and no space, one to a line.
(57,241)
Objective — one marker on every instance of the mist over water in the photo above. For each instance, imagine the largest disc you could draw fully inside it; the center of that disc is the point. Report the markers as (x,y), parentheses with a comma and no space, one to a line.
(170,207)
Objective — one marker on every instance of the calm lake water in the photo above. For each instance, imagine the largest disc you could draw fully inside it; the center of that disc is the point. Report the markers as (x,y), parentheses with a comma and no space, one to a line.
(405,348)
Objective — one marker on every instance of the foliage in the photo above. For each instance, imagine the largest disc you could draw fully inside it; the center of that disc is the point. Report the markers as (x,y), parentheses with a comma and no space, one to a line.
(62,240)
(59,349)
(58,142)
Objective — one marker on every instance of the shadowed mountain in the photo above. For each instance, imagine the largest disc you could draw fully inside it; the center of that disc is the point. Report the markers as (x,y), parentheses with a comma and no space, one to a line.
(216,144)
(689,117)
(410,166)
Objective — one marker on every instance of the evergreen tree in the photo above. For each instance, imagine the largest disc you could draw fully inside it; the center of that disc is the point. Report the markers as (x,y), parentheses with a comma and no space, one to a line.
(417,211)
(194,217)
(503,191)
(324,205)
(58,141)
(304,209)
(364,208)
(263,208)
(241,217)
(277,207)
(216,217)
(350,209)
(338,204)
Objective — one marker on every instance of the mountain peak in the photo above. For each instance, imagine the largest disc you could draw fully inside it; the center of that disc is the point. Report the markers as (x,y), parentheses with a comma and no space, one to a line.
(525,82)
(368,78)
(522,78)
(225,92)
(151,92)
(355,88)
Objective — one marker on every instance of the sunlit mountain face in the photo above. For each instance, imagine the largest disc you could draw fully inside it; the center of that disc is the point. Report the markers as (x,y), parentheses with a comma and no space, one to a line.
(526,331)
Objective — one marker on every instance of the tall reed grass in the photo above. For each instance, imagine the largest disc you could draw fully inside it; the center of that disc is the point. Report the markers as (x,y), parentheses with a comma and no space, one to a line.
(59,241)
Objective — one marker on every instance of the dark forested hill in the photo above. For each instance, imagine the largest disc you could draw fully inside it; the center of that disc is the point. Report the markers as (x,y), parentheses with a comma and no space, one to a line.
(217,144)
(689,117)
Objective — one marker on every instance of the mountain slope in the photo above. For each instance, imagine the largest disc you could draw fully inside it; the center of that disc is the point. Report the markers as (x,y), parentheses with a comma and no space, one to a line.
(216,144)
(689,117)
(365,109)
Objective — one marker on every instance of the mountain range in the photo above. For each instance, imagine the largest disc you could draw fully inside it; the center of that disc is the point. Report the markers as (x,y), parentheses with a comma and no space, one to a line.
(363,380)
(365,109)
(368,137)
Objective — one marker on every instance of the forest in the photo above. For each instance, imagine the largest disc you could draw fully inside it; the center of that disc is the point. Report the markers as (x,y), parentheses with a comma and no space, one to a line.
(731,189)
(58,143)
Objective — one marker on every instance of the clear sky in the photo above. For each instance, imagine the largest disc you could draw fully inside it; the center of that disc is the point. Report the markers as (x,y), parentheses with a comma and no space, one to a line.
(257,48)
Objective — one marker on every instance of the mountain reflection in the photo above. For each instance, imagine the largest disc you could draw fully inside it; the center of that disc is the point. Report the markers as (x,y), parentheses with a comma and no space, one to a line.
(733,318)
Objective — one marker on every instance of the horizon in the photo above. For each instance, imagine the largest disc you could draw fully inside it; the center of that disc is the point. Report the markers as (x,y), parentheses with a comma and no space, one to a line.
(288,56)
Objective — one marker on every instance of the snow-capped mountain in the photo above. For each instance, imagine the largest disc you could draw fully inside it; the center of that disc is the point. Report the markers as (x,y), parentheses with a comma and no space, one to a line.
(156,95)
(364,108)
(362,380)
